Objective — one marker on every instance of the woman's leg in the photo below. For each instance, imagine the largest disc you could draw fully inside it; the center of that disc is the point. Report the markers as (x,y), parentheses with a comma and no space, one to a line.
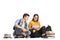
(42,32)
(34,34)
(39,33)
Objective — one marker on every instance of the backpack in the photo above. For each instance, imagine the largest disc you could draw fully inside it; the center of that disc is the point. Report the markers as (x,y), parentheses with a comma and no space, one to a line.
(15,26)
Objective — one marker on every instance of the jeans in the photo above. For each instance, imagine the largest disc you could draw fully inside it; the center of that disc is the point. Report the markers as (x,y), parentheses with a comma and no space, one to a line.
(17,32)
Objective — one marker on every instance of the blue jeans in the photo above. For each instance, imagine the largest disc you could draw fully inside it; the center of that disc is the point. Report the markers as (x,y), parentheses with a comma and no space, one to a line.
(19,31)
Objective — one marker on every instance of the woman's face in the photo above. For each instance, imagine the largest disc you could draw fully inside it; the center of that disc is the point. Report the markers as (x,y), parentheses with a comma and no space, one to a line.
(35,18)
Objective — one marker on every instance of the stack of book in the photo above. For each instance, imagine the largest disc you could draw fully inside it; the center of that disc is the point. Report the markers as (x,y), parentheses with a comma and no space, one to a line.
(7,36)
(50,34)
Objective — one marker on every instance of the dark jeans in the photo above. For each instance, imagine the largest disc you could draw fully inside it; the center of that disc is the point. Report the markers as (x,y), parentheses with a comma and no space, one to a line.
(40,32)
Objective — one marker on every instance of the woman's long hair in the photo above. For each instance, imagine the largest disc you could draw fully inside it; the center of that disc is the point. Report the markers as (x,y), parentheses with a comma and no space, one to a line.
(34,16)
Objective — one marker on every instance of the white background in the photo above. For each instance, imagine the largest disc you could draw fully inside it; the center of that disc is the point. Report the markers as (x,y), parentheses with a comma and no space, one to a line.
(11,10)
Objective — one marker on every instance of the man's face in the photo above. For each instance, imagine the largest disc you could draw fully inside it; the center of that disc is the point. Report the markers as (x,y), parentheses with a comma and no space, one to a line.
(26,17)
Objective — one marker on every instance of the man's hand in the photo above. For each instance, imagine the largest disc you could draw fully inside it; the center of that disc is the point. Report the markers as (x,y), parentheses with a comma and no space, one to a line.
(24,30)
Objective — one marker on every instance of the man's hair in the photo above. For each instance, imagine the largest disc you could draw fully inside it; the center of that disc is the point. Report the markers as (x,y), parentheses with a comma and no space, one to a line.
(34,16)
(25,14)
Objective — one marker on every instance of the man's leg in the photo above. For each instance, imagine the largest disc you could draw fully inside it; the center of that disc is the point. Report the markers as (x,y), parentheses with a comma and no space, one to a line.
(18,33)
(28,33)
(23,33)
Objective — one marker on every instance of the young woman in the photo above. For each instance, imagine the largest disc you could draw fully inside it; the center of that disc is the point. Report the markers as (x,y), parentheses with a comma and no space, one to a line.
(36,29)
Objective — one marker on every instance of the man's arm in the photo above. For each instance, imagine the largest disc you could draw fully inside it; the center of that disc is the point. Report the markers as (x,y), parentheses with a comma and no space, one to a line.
(18,26)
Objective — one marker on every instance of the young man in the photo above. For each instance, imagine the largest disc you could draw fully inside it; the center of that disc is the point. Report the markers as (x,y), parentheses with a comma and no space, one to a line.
(21,27)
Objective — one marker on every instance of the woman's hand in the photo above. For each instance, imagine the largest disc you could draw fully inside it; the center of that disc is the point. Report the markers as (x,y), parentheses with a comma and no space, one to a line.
(34,31)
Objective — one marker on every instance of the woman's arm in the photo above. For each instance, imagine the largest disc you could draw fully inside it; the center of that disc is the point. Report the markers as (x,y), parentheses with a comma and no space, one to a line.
(30,26)
(39,26)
